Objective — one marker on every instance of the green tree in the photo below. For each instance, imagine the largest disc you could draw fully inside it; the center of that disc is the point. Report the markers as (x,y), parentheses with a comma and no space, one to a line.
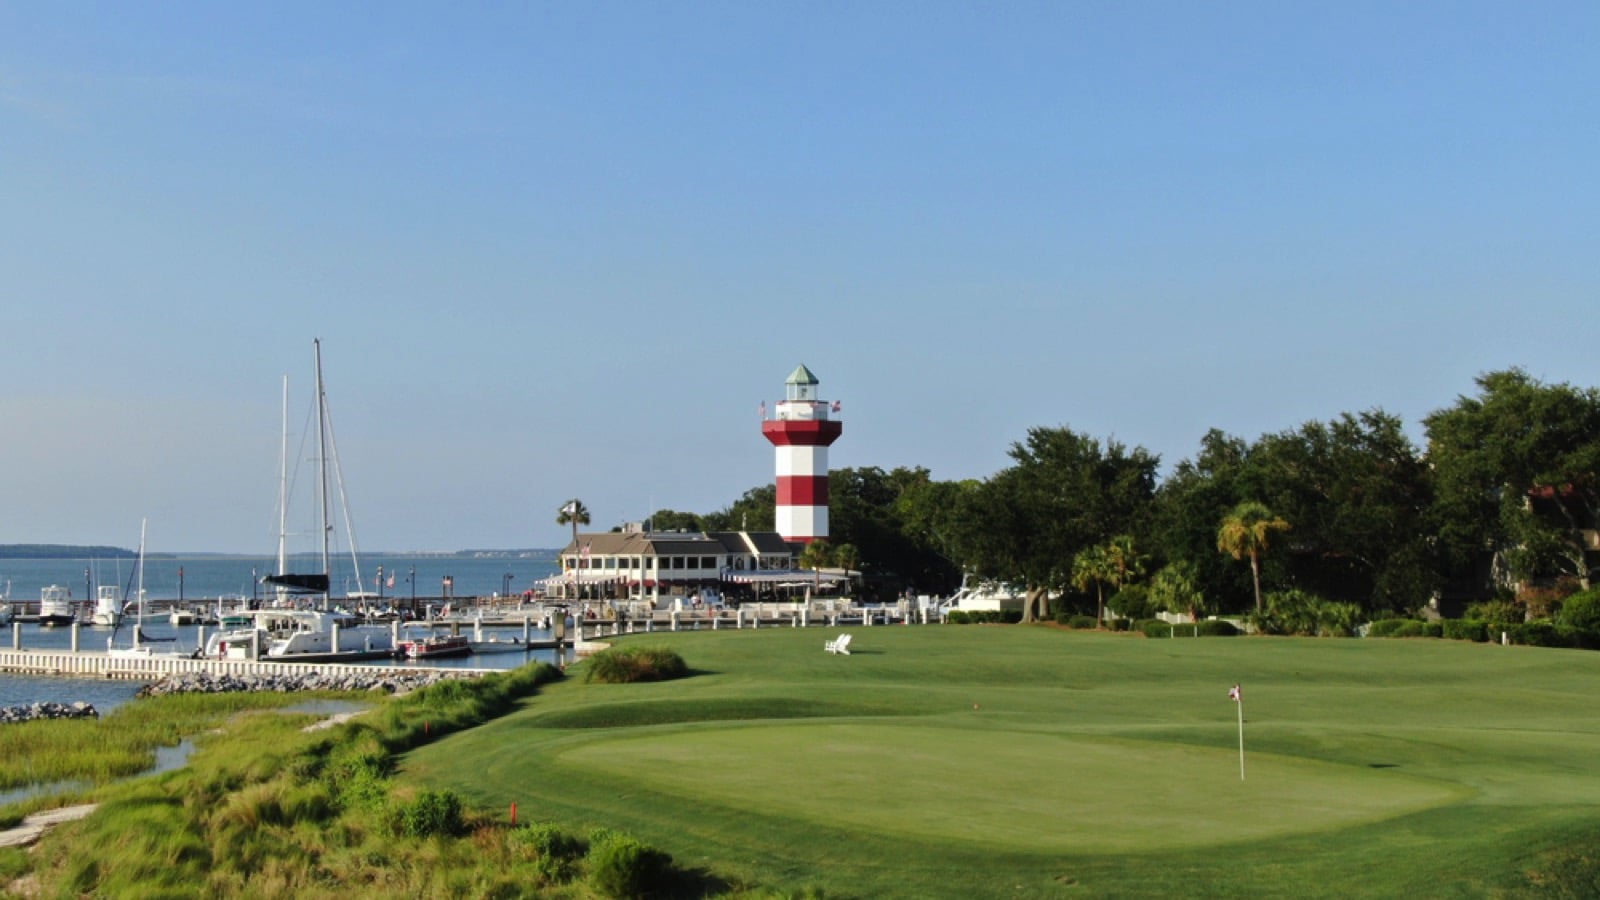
(1247,532)
(1357,492)
(1063,492)
(1517,469)
(1176,589)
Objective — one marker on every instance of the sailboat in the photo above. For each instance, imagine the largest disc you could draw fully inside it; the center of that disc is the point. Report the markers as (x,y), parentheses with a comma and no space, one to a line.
(142,644)
(288,634)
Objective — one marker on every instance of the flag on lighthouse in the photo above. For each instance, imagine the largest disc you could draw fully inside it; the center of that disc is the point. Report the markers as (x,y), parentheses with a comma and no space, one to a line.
(1233,694)
(837,406)
(763,410)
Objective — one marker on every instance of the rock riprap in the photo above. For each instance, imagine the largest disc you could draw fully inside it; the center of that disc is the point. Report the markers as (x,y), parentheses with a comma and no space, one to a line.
(311,680)
(48,710)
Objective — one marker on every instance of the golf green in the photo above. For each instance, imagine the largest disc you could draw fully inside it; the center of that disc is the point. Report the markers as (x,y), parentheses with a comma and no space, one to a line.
(982,786)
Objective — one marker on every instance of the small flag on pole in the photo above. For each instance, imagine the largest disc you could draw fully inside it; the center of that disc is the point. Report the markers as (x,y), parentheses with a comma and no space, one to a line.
(763,410)
(836,406)
(571,508)
(1238,699)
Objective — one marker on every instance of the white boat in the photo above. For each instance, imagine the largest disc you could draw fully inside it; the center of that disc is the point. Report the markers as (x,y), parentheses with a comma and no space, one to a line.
(55,606)
(300,635)
(107,607)
(425,643)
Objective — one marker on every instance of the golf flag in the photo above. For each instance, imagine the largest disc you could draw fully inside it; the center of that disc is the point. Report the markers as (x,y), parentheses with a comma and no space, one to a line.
(1238,699)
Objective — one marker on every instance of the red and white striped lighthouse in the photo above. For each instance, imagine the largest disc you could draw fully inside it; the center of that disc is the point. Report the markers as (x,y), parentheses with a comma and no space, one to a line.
(801,433)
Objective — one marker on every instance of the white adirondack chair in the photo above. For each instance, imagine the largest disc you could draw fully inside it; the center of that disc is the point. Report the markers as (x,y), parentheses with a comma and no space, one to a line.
(840,644)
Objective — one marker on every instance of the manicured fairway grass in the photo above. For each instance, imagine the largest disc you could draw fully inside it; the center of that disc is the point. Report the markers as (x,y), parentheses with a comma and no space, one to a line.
(1029,761)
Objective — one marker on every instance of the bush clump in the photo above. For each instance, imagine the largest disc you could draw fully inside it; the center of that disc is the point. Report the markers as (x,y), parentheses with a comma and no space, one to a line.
(1388,627)
(1465,630)
(1218,628)
(1080,620)
(431,813)
(1582,611)
(621,866)
(626,665)
(1155,628)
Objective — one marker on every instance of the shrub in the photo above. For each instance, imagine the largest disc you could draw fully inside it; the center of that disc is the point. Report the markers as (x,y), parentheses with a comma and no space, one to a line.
(1121,624)
(1132,602)
(1389,627)
(1218,628)
(626,665)
(958,617)
(1080,621)
(1465,630)
(1407,628)
(1010,616)
(1432,629)
(621,866)
(555,852)
(432,813)
(1582,611)
(1155,628)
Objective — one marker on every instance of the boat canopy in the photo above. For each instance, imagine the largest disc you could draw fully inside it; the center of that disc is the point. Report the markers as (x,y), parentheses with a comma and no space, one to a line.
(304,584)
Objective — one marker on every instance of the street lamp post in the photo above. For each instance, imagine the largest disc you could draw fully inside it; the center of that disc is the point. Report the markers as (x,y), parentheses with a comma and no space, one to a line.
(505,585)
(412,578)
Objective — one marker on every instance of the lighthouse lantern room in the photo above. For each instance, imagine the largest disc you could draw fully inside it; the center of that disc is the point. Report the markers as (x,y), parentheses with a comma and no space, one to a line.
(801,432)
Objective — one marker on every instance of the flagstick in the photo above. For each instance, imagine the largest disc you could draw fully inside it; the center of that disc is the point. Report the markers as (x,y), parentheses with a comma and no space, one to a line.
(1240,703)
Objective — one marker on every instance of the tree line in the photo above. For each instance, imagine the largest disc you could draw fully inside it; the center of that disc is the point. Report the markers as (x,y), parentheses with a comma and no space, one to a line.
(1501,504)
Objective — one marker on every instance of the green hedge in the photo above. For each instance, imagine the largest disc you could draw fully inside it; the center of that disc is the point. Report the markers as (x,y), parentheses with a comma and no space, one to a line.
(1388,627)
(1465,630)
(983,617)
(1156,628)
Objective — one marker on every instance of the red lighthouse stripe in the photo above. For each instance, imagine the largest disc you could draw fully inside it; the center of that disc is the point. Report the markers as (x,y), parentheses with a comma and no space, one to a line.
(799,432)
(803,490)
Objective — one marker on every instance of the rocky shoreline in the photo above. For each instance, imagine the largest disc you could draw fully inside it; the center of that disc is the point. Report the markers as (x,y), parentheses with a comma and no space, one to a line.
(310,680)
(47,710)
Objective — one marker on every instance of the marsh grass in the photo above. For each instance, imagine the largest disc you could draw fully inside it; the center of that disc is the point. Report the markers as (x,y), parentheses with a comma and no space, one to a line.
(266,809)
(120,744)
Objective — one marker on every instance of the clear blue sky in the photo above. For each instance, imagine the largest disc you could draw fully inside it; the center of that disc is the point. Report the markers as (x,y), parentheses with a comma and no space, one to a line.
(565,249)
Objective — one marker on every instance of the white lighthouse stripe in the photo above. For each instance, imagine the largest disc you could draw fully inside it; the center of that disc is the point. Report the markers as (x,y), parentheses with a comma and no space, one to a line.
(797,522)
(802,461)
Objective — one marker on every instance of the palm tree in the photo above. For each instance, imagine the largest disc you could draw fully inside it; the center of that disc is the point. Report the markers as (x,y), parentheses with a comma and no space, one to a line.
(1123,562)
(1176,589)
(1092,567)
(1247,531)
(573,513)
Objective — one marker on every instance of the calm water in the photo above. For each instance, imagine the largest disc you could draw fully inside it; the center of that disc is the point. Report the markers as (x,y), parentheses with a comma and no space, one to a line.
(201,577)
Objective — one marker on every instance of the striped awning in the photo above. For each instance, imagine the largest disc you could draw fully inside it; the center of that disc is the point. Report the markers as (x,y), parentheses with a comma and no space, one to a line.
(795,576)
(585,579)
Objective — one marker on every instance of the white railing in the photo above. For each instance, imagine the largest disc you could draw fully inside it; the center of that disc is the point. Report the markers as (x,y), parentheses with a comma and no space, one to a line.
(149,668)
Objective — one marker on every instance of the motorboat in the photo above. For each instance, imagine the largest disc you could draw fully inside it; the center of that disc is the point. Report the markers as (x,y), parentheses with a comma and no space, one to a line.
(55,606)
(432,645)
(107,607)
(300,635)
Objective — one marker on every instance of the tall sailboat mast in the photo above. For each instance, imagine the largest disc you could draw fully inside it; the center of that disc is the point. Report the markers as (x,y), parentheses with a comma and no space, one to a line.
(322,468)
(283,491)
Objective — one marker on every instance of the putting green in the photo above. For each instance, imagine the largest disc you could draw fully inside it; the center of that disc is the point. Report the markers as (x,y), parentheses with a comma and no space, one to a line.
(982,785)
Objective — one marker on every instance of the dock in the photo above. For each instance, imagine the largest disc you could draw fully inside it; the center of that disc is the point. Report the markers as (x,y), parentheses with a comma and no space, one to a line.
(151,668)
